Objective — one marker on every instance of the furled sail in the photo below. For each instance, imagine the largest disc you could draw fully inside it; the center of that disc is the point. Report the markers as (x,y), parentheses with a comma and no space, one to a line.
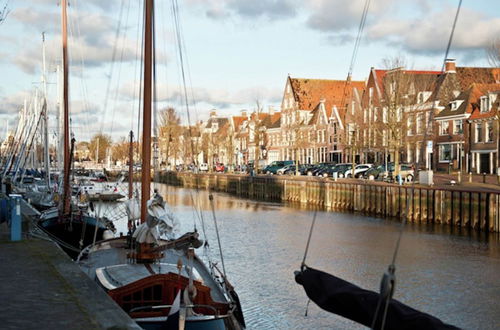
(160,221)
(338,296)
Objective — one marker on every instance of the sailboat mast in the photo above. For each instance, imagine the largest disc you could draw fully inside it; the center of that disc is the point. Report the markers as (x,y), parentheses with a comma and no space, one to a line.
(130,165)
(45,117)
(146,122)
(66,155)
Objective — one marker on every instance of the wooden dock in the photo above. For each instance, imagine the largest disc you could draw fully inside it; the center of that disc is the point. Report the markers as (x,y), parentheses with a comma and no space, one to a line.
(454,206)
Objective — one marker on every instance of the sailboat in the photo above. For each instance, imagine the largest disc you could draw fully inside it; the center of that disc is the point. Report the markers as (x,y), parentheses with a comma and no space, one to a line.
(71,229)
(158,279)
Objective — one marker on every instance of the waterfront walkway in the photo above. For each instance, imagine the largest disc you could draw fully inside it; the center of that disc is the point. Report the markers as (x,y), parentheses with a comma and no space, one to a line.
(42,288)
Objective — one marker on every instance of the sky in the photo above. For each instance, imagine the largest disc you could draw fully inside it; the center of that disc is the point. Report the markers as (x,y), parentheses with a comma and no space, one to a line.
(236,53)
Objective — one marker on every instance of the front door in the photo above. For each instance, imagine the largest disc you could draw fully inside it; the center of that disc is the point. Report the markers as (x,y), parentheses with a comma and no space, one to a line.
(484,163)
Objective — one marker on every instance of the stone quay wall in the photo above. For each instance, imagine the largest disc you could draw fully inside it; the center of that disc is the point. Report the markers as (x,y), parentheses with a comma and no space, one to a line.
(461,208)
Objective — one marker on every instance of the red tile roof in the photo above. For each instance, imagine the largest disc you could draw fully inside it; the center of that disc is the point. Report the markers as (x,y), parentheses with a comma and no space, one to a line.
(309,92)
(238,120)
(468,76)
(478,90)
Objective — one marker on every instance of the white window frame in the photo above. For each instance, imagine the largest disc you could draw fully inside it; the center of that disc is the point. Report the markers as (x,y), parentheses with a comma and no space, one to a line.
(441,153)
(488,125)
(478,128)
(484,104)
(455,130)
(444,126)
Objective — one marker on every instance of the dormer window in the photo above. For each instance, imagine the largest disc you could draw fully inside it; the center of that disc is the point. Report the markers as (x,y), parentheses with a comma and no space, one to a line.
(484,104)
(454,105)
(423,96)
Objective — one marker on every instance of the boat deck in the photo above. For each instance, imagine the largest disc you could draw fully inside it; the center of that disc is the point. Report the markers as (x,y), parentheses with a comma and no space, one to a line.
(108,253)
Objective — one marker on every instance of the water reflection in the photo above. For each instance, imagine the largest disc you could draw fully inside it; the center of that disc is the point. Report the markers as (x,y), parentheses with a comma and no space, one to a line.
(454,277)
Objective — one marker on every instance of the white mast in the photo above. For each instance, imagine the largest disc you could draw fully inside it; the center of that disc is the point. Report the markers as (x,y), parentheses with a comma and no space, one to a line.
(45,117)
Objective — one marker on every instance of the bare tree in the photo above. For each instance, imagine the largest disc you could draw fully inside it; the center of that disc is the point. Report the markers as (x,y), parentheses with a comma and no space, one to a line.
(298,136)
(121,150)
(4,12)
(494,59)
(169,134)
(98,146)
(493,52)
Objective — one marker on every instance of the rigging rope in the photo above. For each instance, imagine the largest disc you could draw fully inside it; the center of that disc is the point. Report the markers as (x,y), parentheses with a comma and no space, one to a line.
(309,239)
(113,57)
(388,279)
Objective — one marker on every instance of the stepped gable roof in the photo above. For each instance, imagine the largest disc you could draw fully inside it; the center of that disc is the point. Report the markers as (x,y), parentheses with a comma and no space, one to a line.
(478,90)
(309,92)
(468,76)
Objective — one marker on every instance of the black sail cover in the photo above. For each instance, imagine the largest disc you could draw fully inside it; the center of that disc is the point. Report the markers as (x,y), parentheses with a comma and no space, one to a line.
(337,296)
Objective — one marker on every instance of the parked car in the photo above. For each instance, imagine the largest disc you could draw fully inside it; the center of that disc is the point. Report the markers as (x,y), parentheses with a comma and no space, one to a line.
(326,170)
(219,167)
(380,172)
(276,165)
(314,169)
(375,172)
(340,169)
(304,169)
(204,167)
(285,169)
(359,170)
(405,171)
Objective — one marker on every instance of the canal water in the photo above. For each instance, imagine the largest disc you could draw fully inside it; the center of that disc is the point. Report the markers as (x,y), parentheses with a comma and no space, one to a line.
(453,276)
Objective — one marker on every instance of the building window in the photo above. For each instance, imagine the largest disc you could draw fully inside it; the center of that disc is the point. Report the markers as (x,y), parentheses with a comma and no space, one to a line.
(351,132)
(443,128)
(485,103)
(409,124)
(489,132)
(479,132)
(454,105)
(384,138)
(457,127)
(420,123)
(445,152)
(384,115)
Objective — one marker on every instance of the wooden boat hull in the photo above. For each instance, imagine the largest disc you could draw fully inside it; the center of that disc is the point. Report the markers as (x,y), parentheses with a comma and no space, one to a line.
(72,235)
(146,291)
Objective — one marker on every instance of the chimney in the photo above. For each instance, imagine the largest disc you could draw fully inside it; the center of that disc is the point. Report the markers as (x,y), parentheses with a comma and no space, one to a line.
(271,110)
(213,113)
(244,113)
(449,65)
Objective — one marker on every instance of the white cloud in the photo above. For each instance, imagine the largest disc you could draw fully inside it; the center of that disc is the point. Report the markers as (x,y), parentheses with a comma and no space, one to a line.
(430,35)
(266,9)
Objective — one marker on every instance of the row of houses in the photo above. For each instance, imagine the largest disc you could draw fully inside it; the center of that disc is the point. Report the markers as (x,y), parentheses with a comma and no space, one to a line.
(440,120)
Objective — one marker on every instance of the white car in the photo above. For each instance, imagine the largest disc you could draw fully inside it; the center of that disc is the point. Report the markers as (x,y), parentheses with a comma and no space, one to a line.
(204,167)
(358,170)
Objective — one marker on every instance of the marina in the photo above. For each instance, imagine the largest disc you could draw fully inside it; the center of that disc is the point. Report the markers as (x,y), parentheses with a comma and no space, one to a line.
(137,193)
(437,264)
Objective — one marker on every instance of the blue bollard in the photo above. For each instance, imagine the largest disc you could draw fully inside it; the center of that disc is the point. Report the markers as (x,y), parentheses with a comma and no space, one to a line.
(4,210)
(400,179)
(15,217)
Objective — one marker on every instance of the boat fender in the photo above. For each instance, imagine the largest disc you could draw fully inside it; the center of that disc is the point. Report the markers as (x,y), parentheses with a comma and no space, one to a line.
(107,234)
